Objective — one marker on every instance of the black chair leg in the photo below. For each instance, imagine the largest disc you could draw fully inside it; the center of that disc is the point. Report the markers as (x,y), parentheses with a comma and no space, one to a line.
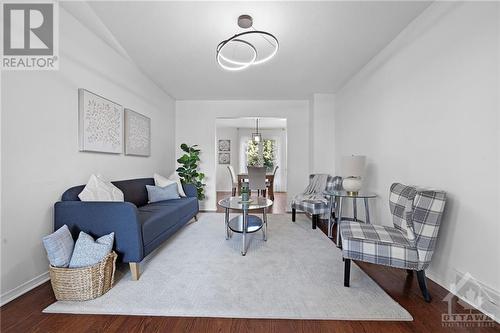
(423,285)
(347,272)
(409,271)
(315,219)
(294,212)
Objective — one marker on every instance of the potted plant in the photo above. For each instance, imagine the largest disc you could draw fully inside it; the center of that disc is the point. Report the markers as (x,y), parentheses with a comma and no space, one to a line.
(188,171)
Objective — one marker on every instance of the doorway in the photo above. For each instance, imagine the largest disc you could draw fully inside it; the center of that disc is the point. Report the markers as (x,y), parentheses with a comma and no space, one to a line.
(235,147)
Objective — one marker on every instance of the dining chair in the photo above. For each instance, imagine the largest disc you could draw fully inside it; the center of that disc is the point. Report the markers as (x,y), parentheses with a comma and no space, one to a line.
(257,179)
(270,185)
(234,180)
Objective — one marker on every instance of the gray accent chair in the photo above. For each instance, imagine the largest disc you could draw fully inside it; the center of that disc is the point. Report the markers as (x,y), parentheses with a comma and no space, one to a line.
(409,244)
(317,208)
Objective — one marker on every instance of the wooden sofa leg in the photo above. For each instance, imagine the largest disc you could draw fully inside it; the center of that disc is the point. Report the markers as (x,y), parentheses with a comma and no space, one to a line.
(423,285)
(294,213)
(347,272)
(135,270)
(315,219)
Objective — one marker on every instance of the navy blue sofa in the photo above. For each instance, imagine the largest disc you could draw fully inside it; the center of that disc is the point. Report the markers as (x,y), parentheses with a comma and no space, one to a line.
(139,227)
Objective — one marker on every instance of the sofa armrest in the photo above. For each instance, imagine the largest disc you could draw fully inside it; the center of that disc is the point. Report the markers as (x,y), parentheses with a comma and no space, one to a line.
(190,190)
(101,218)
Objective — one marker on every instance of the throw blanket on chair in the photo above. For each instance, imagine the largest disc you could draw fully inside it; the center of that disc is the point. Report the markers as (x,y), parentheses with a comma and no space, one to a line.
(314,191)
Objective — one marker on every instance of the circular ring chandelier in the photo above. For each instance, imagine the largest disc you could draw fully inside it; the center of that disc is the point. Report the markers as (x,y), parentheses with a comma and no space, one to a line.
(227,63)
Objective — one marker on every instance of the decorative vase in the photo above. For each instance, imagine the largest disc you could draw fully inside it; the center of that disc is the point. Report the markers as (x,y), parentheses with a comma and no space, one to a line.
(352,185)
(245,193)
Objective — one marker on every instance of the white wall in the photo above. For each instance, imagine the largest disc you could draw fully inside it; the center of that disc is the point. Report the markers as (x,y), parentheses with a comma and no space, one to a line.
(39,137)
(196,123)
(223,179)
(426,111)
(323,134)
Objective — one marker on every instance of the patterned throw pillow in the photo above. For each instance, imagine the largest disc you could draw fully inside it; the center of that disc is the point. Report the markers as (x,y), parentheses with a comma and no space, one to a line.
(59,246)
(99,189)
(157,193)
(88,252)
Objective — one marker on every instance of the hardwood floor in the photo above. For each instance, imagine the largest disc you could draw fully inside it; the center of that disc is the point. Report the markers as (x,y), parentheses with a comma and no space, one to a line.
(24,314)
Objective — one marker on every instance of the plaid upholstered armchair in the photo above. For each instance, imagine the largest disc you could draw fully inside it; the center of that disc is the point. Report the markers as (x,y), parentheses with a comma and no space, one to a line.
(313,201)
(409,244)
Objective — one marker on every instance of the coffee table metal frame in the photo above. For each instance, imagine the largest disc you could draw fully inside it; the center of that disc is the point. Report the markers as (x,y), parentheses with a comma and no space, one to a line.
(245,223)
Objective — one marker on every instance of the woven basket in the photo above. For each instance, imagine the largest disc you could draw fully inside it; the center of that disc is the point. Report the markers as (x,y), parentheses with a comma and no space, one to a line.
(82,284)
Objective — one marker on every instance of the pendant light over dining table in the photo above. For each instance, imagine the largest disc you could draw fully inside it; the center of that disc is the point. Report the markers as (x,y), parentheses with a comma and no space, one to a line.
(247,48)
(256,137)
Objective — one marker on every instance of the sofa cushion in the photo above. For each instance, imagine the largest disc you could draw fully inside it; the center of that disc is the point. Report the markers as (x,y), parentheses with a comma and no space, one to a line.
(134,191)
(156,218)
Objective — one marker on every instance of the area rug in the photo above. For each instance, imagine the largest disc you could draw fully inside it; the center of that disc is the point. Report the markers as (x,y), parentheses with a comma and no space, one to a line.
(296,274)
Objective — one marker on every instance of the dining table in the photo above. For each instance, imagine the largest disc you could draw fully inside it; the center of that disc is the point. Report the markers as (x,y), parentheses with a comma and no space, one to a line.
(243,176)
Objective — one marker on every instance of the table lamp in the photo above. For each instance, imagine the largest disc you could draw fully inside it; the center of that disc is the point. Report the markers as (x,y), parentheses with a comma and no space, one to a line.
(353,168)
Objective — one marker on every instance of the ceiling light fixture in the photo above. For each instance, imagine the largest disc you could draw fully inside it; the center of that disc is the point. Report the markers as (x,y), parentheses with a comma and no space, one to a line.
(256,137)
(231,64)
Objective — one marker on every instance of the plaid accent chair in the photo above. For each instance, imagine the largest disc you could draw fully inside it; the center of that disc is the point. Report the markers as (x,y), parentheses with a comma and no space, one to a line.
(409,244)
(319,207)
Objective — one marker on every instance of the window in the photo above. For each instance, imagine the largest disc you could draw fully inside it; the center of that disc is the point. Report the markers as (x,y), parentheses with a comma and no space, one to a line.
(268,154)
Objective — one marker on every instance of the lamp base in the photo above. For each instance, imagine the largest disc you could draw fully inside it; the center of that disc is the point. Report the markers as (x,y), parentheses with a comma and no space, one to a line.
(352,193)
(352,185)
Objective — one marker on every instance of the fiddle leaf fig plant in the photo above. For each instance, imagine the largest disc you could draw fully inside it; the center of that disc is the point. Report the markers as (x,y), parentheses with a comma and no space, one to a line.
(188,171)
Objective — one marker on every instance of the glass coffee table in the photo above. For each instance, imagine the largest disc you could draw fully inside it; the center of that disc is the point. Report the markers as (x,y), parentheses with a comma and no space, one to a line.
(245,223)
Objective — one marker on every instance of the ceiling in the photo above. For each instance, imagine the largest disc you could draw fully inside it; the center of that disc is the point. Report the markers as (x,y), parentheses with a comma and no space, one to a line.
(322,44)
(249,122)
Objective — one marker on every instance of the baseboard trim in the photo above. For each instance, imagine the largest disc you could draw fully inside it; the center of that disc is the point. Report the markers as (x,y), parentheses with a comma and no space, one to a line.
(493,310)
(24,288)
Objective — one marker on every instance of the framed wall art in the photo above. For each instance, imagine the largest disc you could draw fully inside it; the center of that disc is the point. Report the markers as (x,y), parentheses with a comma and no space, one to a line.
(224,158)
(100,123)
(224,145)
(137,134)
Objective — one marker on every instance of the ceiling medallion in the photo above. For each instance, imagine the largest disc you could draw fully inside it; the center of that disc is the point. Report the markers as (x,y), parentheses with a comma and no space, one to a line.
(246,42)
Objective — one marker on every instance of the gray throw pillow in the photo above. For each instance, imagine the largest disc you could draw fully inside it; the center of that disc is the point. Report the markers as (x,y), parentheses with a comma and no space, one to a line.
(88,252)
(157,193)
(59,246)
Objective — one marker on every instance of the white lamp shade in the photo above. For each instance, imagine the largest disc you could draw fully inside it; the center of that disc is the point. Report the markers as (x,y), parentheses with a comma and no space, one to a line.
(353,166)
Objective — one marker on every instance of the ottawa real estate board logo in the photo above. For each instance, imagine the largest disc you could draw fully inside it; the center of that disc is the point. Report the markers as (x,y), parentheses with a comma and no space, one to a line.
(30,36)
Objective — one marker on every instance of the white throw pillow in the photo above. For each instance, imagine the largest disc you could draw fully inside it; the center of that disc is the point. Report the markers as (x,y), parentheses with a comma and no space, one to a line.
(99,189)
(162,182)
(175,177)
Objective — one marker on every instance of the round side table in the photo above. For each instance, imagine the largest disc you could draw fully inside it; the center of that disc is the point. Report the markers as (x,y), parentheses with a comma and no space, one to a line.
(338,197)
